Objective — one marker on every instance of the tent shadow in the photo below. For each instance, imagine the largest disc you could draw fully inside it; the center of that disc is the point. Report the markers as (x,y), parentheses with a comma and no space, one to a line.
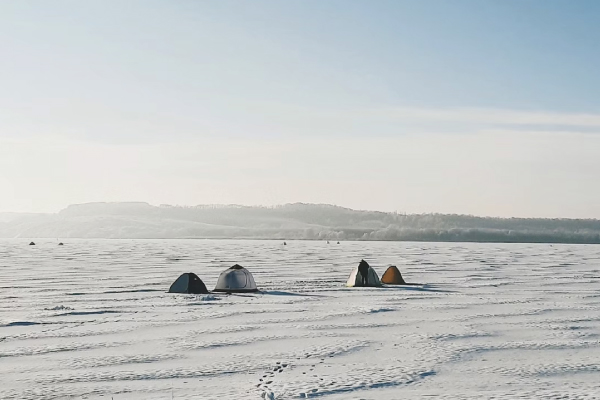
(238,294)
(282,293)
(265,292)
(417,287)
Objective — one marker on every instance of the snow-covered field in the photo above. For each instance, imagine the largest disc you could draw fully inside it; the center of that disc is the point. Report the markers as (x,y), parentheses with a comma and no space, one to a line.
(92,320)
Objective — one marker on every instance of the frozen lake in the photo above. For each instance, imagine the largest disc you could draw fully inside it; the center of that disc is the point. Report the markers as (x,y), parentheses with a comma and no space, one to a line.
(92,320)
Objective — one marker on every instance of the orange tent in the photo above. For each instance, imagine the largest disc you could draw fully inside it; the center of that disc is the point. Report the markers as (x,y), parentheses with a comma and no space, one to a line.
(392,277)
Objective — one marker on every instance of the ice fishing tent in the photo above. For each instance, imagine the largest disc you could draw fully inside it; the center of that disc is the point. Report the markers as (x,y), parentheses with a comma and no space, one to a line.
(363,275)
(392,276)
(236,279)
(188,283)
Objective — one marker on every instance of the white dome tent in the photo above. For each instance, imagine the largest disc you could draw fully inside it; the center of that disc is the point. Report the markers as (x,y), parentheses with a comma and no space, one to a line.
(236,279)
(363,275)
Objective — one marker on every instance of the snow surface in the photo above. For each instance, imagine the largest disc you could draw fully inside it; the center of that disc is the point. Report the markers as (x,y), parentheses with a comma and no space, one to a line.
(92,320)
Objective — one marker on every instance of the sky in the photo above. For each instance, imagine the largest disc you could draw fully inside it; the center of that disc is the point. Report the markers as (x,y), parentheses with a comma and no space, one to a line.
(467,106)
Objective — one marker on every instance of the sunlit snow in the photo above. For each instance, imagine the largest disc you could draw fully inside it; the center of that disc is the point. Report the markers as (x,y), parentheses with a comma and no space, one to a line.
(92,319)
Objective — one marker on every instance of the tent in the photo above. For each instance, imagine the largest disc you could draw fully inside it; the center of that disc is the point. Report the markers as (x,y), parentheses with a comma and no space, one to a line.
(236,279)
(363,275)
(392,276)
(188,283)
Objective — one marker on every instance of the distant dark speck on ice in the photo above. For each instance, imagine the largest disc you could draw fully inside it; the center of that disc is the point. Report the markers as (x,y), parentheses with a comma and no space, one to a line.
(32,244)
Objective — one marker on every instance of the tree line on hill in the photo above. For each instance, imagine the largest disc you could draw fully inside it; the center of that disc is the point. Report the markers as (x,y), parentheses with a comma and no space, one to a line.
(290,221)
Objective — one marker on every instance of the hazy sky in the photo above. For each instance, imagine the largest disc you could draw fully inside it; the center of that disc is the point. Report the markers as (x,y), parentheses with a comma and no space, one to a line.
(485,107)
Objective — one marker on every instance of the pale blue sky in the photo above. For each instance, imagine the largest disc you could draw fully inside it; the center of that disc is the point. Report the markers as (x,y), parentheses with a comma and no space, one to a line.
(480,106)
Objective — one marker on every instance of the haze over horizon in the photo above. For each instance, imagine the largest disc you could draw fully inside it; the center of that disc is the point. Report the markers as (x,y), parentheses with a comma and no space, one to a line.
(268,206)
(465,107)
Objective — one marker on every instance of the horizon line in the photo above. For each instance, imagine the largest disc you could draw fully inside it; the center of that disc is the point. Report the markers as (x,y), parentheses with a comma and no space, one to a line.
(224,205)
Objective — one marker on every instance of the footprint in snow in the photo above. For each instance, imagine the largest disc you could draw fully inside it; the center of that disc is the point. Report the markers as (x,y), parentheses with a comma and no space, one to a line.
(268,395)
(278,368)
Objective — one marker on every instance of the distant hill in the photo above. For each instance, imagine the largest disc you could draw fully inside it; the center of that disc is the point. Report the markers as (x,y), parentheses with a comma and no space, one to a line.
(290,221)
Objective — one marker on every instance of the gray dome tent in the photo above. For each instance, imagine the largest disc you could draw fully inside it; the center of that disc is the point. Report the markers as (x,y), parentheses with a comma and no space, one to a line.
(363,275)
(188,283)
(236,279)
